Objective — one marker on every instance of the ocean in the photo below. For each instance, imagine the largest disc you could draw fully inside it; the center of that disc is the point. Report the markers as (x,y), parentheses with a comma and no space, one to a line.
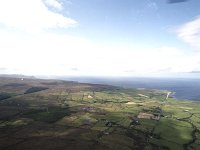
(184,88)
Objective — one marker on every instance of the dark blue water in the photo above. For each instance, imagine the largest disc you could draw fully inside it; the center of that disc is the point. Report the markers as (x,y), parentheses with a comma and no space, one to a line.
(185,89)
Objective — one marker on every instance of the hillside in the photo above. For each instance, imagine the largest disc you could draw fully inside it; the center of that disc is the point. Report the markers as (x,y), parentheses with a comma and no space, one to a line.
(54,114)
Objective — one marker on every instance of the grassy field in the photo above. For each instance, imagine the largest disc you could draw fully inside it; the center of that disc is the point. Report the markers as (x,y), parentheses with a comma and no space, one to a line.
(51,114)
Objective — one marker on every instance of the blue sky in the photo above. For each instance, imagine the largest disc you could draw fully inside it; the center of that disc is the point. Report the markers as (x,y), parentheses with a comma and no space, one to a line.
(137,22)
(100,37)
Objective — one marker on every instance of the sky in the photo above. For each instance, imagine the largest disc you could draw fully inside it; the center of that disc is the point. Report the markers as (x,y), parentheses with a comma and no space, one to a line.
(100,37)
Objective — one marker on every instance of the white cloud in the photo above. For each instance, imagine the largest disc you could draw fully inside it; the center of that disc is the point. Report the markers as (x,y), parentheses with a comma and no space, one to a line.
(190,33)
(39,51)
(31,16)
(43,53)
(53,54)
(54,4)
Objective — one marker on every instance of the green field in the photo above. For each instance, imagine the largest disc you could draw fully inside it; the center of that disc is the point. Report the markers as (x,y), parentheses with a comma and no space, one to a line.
(51,114)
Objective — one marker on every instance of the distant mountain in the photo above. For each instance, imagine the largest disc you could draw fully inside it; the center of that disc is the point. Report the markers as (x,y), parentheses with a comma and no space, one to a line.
(17,76)
(195,72)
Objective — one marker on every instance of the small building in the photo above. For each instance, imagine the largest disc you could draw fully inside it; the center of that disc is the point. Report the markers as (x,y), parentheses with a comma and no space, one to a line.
(142,115)
(89,97)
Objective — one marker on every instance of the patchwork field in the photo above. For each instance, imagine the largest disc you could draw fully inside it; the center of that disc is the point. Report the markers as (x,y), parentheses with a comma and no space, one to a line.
(52,114)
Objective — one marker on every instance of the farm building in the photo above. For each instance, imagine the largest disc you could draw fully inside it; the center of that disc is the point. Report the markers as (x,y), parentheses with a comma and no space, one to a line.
(142,115)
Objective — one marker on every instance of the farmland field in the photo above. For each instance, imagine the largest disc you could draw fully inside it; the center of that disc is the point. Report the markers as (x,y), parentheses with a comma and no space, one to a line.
(55,114)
